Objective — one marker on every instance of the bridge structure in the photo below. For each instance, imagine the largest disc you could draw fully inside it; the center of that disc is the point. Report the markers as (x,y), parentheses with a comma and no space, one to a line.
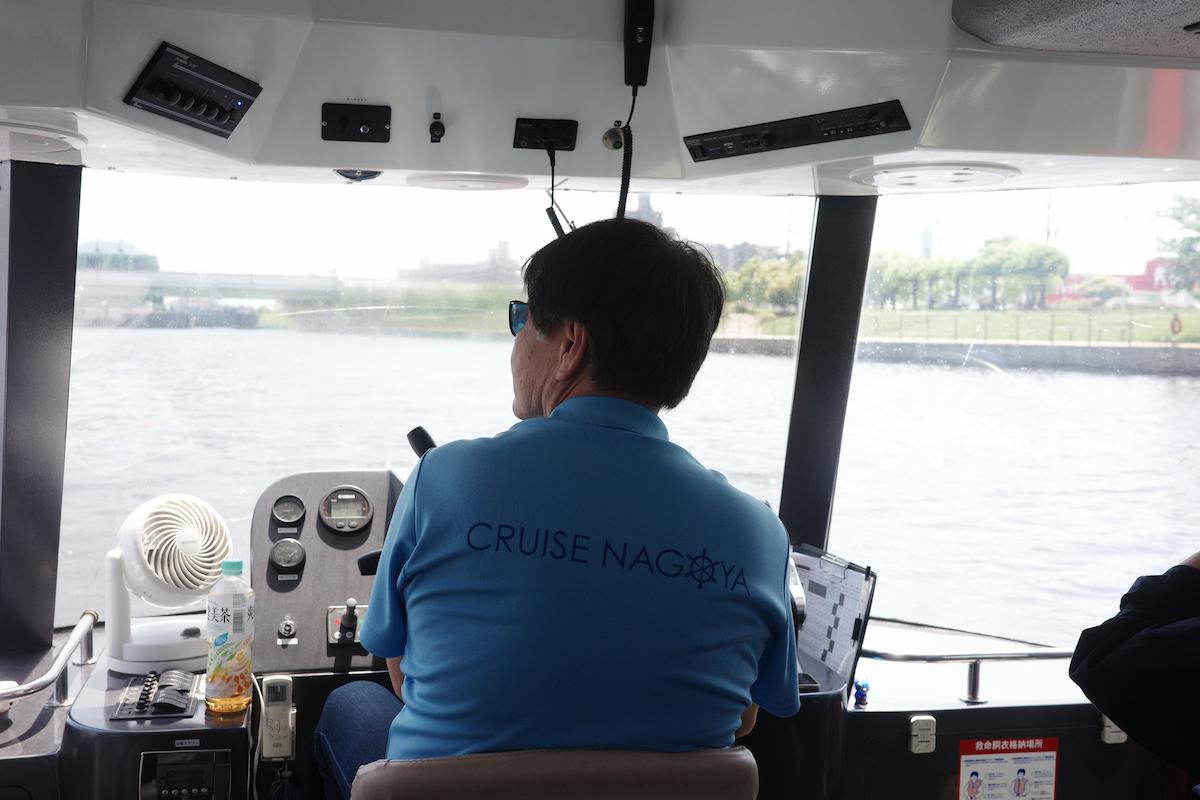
(104,283)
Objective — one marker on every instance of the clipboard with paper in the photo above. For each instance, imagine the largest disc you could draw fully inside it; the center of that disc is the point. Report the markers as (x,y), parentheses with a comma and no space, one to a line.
(838,597)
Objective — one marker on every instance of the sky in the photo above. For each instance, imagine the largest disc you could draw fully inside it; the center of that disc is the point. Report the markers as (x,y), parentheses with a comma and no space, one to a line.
(379,232)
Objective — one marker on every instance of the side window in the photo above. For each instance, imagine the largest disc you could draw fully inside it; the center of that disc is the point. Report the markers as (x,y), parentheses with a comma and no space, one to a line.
(1021,435)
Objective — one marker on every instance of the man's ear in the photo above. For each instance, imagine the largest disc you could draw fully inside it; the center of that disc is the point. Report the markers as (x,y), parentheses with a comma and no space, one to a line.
(573,350)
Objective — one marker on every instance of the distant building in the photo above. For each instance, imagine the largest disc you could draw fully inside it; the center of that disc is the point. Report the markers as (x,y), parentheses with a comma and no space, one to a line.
(1153,279)
(498,267)
(727,257)
(731,257)
(114,255)
(645,212)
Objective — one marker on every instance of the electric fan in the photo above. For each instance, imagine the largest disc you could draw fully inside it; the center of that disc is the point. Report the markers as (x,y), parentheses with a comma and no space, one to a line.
(168,553)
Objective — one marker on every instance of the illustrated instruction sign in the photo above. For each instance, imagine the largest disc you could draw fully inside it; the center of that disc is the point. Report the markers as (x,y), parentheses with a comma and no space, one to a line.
(1001,769)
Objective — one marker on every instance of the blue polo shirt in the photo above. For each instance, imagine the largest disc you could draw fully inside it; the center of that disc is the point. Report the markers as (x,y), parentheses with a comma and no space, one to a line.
(579,581)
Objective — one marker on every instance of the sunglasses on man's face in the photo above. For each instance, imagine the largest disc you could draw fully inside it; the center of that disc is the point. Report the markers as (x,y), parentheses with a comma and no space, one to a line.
(518,315)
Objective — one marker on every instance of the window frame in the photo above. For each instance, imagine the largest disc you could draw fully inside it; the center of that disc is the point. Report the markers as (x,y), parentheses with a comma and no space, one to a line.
(39,233)
(830,306)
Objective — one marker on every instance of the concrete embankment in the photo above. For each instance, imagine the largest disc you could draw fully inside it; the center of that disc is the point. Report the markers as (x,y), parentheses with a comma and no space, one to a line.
(1146,359)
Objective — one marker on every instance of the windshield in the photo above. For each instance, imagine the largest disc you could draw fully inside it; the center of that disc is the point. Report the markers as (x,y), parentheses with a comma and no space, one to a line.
(311,327)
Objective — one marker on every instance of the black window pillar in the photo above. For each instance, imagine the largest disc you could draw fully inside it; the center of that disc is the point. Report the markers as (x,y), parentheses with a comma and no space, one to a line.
(833,299)
(39,233)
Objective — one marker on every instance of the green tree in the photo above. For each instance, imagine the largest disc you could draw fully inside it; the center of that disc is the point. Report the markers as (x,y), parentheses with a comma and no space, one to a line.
(1019,267)
(935,272)
(958,271)
(891,274)
(1183,251)
(775,282)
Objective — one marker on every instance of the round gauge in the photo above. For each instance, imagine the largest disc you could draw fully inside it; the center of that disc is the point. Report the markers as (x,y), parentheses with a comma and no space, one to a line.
(287,555)
(346,510)
(288,510)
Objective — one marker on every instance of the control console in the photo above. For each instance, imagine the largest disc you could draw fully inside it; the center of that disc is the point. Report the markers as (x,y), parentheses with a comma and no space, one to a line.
(151,738)
(307,534)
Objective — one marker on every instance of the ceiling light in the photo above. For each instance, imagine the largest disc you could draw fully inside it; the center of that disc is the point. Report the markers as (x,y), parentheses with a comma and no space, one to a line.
(467,181)
(933,175)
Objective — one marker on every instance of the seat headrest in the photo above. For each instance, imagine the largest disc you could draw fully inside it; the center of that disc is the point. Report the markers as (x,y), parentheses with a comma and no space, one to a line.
(726,774)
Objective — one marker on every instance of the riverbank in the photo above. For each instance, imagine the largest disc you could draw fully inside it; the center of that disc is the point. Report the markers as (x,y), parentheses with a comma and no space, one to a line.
(1139,358)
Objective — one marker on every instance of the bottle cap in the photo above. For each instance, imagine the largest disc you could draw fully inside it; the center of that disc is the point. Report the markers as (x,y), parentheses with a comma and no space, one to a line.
(231,566)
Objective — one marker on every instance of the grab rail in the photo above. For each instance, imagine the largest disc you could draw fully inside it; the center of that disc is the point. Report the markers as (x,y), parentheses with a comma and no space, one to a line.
(57,672)
(974,662)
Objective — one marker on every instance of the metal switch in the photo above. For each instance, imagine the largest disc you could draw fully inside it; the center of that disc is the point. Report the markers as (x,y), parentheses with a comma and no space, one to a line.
(922,733)
(1110,733)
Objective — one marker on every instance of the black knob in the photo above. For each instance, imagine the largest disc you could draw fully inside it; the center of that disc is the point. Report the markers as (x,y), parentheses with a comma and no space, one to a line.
(173,96)
(187,102)
(212,111)
(369,564)
(200,107)
(420,441)
(223,117)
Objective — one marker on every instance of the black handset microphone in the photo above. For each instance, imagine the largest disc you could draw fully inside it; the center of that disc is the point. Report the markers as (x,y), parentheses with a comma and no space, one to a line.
(639,30)
(639,27)
(421,443)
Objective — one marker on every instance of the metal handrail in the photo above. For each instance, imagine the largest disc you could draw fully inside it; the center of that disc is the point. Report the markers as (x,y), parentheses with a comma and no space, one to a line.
(57,672)
(966,658)
(974,662)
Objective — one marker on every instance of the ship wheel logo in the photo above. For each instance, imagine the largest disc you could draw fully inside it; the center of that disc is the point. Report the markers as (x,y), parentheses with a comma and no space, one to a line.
(702,569)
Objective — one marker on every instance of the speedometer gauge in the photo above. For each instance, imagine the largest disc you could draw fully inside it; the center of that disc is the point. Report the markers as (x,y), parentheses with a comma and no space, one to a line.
(346,510)
(288,510)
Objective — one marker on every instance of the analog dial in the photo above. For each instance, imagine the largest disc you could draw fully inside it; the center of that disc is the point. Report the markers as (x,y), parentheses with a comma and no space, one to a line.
(288,510)
(287,555)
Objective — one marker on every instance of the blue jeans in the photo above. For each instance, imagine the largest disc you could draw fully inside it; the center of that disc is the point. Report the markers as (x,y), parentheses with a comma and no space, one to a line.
(352,732)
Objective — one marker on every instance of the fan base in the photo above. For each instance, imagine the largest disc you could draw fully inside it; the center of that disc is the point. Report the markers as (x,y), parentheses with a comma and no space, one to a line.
(123,667)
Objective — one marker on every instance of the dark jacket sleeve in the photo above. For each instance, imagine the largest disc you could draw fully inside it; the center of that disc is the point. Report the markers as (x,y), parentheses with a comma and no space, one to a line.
(1139,667)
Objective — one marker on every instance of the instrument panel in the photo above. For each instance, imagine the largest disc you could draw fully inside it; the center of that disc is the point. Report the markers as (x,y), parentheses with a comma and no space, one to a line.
(307,534)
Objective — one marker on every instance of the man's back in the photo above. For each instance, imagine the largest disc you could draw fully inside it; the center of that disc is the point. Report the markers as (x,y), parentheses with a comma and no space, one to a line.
(580,582)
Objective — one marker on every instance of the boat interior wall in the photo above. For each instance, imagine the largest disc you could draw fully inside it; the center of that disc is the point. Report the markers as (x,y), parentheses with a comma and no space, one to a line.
(1092,26)
(714,66)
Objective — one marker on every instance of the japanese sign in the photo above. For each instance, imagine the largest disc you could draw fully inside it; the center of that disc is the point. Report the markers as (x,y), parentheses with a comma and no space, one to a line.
(999,769)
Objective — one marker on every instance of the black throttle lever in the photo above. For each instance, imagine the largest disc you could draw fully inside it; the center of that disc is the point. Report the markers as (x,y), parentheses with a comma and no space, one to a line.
(421,443)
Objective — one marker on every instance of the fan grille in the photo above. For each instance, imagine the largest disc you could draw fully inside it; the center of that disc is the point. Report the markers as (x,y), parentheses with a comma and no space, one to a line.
(184,542)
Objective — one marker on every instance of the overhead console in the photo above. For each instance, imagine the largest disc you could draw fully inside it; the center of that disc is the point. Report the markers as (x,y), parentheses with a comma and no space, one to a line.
(850,123)
(307,534)
(182,86)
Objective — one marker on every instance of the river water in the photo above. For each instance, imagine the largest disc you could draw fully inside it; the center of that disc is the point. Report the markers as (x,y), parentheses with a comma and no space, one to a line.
(1021,503)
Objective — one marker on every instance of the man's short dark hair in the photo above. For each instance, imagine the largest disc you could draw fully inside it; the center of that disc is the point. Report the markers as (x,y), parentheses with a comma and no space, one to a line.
(650,303)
